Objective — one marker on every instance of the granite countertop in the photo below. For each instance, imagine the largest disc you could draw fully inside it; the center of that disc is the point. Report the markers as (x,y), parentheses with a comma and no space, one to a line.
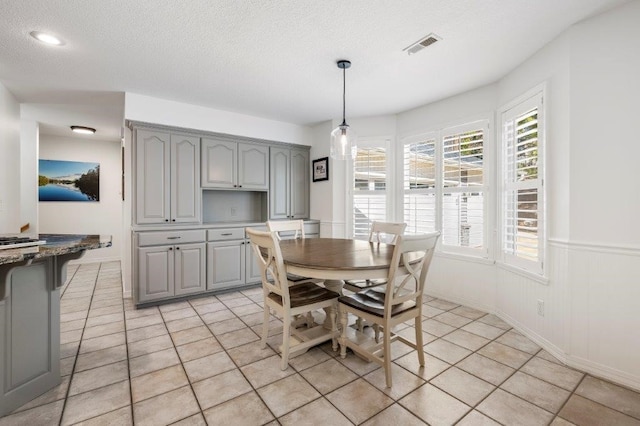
(57,244)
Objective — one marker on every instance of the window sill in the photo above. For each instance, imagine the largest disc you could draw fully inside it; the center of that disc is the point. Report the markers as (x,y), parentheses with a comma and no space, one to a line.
(523,273)
(465,258)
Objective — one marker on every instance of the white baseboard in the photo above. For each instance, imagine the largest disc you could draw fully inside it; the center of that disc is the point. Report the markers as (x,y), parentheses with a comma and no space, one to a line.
(126,294)
(584,365)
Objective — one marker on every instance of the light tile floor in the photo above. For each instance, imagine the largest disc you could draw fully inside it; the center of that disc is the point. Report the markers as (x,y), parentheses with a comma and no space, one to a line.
(200,362)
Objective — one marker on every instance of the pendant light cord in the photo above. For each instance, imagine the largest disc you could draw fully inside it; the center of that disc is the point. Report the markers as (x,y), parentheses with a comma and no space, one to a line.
(344,94)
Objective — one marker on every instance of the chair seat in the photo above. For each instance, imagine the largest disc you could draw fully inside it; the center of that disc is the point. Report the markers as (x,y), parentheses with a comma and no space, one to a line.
(296,278)
(372,302)
(305,294)
(357,285)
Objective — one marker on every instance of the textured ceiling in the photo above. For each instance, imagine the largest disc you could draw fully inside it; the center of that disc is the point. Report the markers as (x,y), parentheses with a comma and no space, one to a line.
(273,59)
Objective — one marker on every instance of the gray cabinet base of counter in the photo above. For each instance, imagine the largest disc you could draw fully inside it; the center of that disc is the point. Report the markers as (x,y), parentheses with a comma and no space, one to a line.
(29,333)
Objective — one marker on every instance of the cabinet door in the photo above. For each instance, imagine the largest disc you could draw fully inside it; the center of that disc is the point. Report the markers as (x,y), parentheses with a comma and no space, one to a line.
(279,183)
(299,204)
(185,179)
(253,274)
(225,264)
(190,275)
(219,164)
(152,176)
(155,273)
(253,166)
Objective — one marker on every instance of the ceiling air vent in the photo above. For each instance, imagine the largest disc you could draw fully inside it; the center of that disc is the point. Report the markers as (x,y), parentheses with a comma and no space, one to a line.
(422,43)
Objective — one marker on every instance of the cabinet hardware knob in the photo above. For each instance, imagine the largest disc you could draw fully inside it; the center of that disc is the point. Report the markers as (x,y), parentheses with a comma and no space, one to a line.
(173,220)
(173,238)
(239,186)
(177,248)
(166,220)
(226,234)
(170,248)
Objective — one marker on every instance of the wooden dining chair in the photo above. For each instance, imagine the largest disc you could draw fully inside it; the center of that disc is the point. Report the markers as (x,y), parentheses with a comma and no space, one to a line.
(381,232)
(281,227)
(287,299)
(401,301)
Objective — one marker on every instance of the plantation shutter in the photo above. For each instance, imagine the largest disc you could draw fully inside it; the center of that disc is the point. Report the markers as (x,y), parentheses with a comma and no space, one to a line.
(522,191)
(419,186)
(463,191)
(369,191)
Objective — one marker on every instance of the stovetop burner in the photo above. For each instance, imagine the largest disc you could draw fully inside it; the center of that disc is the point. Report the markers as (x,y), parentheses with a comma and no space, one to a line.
(17,242)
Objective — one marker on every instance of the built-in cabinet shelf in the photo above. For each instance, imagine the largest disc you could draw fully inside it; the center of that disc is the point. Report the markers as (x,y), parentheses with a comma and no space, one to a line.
(182,176)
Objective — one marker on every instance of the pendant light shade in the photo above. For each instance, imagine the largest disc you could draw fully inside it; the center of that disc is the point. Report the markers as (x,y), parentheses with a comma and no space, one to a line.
(343,138)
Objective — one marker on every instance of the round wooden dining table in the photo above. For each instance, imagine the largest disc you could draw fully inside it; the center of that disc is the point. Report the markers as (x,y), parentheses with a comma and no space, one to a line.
(336,258)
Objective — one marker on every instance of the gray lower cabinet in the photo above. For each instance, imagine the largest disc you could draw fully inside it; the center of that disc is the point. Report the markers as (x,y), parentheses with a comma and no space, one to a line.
(170,264)
(167,271)
(252,274)
(225,264)
(230,259)
(289,183)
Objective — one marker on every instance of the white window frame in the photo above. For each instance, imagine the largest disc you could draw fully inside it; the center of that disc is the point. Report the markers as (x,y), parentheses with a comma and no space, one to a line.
(534,98)
(373,142)
(484,188)
(438,135)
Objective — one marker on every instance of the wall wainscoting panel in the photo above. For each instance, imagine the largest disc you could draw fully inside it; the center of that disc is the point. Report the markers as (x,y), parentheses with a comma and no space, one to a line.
(589,318)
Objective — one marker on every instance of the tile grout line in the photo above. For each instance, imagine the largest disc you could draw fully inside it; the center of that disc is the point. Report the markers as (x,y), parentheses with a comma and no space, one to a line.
(77,355)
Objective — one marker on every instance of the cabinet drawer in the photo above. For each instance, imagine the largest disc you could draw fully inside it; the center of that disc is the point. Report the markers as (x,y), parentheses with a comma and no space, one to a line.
(170,237)
(225,234)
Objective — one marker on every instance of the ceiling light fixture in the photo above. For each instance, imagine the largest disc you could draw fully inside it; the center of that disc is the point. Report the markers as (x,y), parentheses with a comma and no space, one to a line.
(84,130)
(47,38)
(343,139)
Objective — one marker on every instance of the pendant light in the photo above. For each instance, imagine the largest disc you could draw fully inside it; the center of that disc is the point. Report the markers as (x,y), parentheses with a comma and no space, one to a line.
(343,139)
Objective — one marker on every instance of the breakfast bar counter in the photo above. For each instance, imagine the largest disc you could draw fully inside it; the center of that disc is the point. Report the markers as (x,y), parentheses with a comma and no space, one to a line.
(30,281)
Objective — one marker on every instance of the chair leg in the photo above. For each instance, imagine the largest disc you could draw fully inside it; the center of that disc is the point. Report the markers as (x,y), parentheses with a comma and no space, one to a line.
(387,354)
(309,319)
(265,326)
(343,334)
(419,341)
(334,327)
(376,329)
(286,336)
(360,324)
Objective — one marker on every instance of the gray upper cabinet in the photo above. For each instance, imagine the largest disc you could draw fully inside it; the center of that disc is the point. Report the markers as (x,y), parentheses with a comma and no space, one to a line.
(234,165)
(167,178)
(289,189)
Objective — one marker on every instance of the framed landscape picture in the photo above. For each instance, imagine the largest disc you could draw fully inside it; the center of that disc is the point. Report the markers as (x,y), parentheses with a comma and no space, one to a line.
(321,169)
(68,181)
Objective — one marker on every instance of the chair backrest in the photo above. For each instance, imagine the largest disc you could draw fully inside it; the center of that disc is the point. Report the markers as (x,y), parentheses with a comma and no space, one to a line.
(287,225)
(386,232)
(267,250)
(408,273)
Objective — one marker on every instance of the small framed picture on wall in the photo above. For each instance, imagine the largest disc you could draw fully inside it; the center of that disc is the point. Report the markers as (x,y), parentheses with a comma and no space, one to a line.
(321,169)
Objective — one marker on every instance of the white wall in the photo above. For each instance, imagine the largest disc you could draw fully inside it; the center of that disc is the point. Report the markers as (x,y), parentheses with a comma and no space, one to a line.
(9,162)
(604,247)
(103,217)
(29,145)
(170,113)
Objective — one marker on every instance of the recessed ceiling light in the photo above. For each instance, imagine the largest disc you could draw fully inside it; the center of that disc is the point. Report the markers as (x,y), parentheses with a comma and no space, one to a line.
(84,130)
(47,38)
